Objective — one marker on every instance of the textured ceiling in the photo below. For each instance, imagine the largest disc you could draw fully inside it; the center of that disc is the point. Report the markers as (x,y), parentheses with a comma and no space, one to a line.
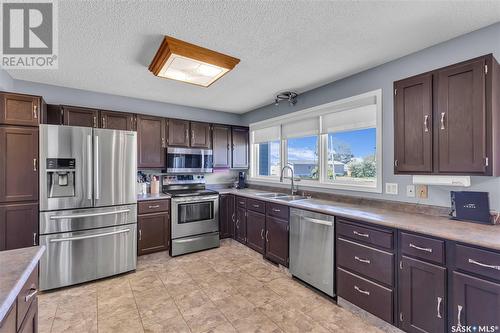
(106,46)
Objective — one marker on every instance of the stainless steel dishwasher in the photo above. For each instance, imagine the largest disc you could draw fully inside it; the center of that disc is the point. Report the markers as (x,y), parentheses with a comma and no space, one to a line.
(312,249)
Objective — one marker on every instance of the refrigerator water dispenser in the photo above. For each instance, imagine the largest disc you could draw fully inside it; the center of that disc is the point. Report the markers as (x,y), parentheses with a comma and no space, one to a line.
(60,177)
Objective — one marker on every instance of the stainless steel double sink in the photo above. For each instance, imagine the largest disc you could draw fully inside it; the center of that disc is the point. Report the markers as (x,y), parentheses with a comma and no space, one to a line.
(281,196)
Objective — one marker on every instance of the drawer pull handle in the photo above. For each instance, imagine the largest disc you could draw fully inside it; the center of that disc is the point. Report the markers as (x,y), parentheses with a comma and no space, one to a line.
(357,233)
(277,210)
(425,249)
(154,206)
(365,261)
(262,233)
(365,292)
(459,316)
(439,300)
(472,261)
(242,202)
(255,206)
(267,235)
(31,294)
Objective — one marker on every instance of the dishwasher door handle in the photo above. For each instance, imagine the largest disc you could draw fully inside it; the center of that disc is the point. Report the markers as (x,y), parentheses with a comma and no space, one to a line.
(317,221)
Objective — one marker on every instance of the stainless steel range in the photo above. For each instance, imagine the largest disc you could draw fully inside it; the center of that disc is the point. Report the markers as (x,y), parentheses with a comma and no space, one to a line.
(195,213)
(88,205)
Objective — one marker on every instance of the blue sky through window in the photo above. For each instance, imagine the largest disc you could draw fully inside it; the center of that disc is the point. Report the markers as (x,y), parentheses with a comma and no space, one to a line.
(362,142)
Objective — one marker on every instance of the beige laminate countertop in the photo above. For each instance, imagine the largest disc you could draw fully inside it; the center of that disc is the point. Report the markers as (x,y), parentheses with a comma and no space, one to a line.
(471,233)
(16,267)
(149,196)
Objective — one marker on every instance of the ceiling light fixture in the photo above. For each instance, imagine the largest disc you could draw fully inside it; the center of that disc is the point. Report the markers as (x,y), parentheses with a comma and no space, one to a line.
(182,61)
(289,96)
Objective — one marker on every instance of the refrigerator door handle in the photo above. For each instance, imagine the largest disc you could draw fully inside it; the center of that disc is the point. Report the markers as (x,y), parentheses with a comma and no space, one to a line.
(89,167)
(96,168)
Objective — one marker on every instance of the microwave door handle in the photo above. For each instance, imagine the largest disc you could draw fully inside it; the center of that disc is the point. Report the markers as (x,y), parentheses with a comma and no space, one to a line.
(89,167)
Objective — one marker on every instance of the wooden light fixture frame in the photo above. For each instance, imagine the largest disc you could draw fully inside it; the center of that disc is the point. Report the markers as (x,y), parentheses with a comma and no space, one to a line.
(176,46)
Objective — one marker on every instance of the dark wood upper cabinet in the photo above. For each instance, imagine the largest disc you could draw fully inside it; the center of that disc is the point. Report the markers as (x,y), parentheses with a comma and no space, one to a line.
(153,232)
(17,109)
(240,148)
(227,216)
(117,120)
(201,135)
(18,225)
(475,301)
(150,142)
(18,164)
(78,116)
(277,240)
(221,146)
(240,232)
(413,124)
(461,118)
(422,296)
(256,225)
(447,121)
(178,133)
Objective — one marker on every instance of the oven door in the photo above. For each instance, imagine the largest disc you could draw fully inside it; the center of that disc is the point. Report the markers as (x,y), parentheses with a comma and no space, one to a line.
(195,215)
(189,160)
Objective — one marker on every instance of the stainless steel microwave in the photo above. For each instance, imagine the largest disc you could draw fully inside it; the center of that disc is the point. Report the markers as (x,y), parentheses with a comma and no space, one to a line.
(189,160)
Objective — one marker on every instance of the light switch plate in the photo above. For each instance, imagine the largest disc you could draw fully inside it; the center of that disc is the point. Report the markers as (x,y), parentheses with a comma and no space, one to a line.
(410,191)
(391,188)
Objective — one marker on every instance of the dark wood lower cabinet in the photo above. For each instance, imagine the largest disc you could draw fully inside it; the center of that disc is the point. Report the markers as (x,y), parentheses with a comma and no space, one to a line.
(240,232)
(18,225)
(422,296)
(153,232)
(227,216)
(277,240)
(256,225)
(475,301)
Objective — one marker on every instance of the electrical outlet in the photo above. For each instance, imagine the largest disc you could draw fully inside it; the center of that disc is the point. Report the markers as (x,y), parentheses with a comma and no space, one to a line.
(391,188)
(422,191)
(410,191)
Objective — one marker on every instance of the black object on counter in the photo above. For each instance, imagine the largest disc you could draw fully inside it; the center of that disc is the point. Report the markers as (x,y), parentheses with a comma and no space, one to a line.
(470,206)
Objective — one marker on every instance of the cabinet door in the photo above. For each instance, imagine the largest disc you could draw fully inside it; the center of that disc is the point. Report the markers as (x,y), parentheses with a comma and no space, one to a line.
(150,142)
(18,226)
(75,116)
(116,120)
(178,133)
(475,301)
(154,232)
(201,135)
(460,118)
(30,322)
(413,124)
(226,215)
(18,164)
(19,110)
(422,292)
(256,225)
(221,146)
(240,233)
(240,148)
(277,240)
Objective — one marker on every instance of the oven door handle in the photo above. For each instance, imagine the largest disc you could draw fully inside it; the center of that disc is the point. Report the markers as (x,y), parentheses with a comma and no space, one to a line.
(196,199)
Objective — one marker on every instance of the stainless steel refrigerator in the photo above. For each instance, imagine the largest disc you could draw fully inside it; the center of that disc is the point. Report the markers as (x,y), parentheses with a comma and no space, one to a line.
(88,204)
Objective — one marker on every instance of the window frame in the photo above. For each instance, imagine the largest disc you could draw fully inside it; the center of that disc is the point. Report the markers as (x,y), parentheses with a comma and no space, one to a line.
(319,112)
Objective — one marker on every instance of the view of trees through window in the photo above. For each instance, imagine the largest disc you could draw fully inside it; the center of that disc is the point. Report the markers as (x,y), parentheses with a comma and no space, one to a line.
(352,156)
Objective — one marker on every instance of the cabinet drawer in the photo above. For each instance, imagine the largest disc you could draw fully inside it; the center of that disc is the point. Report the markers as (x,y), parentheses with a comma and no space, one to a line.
(372,263)
(276,210)
(241,202)
(368,295)
(26,296)
(377,237)
(256,205)
(153,206)
(481,262)
(421,247)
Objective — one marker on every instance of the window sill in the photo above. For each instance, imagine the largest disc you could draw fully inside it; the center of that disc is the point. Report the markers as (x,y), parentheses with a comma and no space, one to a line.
(314,184)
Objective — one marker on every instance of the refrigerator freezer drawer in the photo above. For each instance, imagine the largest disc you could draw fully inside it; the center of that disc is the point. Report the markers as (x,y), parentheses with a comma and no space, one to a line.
(84,219)
(81,256)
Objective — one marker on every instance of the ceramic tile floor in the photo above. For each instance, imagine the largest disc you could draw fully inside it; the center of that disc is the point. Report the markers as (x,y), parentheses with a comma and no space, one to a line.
(229,289)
